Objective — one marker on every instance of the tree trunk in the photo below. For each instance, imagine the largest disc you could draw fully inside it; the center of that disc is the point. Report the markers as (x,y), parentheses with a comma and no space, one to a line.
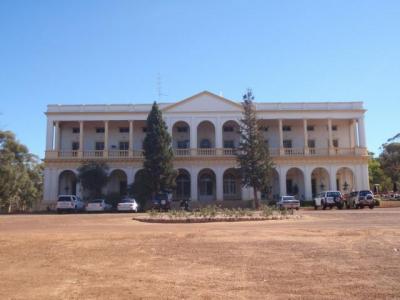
(256,201)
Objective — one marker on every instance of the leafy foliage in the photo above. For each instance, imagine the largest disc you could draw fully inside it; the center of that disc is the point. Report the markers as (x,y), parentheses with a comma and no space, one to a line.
(140,189)
(93,177)
(377,175)
(253,155)
(390,162)
(21,175)
(158,173)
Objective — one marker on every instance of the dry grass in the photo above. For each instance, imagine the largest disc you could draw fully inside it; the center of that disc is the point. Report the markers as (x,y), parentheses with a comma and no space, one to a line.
(325,255)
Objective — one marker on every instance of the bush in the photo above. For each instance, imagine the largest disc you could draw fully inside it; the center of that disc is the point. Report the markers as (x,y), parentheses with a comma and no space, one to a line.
(113,199)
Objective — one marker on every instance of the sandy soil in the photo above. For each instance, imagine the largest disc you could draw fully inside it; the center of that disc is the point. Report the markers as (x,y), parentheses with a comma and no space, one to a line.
(325,255)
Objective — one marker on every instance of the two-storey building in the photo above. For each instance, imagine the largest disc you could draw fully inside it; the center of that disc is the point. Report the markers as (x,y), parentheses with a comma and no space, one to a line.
(315,146)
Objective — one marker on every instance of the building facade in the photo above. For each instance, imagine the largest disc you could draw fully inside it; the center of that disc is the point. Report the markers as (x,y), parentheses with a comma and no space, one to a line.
(315,146)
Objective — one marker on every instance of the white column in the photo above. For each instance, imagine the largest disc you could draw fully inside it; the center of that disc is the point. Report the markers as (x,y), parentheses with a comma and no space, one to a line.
(193,185)
(280,130)
(47,185)
(282,181)
(49,135)
(352,134)
(355,133)
(81,148)
(106,146)
(361,133)
(193,139)
(57,137)
(307,184)
(305,137)
(332,178)
(218,134)
(219,178)
(330,142)
(130,138)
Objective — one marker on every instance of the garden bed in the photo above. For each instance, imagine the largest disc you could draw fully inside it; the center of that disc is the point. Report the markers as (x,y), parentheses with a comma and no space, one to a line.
(213,214)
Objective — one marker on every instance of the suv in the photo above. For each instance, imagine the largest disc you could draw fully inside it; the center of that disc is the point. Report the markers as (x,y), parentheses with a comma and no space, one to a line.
(162,201)
(329,199)
(359,199)
(69,203)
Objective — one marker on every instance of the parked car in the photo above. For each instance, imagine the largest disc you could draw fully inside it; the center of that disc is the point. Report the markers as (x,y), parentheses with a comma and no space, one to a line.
(127,204)
(360,199)
(69,203)
(288,202)
(329,199)
(162,201)
(98,205)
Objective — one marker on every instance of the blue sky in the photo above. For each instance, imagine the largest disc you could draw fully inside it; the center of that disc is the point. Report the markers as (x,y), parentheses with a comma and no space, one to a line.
(65,52)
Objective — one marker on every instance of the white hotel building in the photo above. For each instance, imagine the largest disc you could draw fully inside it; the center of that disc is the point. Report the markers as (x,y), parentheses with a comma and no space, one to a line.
(315,146)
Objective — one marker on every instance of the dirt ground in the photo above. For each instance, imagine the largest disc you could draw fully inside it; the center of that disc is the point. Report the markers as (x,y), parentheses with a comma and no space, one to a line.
(325,255)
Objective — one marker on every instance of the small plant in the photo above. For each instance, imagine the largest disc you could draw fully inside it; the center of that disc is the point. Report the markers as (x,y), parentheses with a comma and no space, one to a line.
(152,213)
(267,211)
(248,212)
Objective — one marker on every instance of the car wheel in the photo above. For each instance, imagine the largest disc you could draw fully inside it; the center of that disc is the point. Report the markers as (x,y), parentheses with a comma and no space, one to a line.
(371,207)
(361,206)
(323,206)
(315,207)
(339,206)
(297,208)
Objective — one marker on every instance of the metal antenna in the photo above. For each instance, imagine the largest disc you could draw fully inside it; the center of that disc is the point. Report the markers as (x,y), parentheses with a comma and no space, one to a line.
(159,89)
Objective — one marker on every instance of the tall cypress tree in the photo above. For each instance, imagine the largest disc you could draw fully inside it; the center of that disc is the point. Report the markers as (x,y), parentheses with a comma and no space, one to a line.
(253,155)
(158,154)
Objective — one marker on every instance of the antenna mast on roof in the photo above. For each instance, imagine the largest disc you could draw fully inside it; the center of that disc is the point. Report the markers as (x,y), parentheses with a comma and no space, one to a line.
(159,90)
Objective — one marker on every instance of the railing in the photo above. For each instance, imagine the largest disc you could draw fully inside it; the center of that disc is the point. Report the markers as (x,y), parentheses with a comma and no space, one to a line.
(206,152)
(118,153)
(293,151)
(182,152)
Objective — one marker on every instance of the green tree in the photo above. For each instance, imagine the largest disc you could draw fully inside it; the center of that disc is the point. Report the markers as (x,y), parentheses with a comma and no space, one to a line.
(158,154)
(140,189)
(253,155)
(93,177)
(21,175)
(390,162)
(377,175)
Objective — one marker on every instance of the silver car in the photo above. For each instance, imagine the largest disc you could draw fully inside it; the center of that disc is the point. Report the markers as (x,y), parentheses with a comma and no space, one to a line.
(288,202)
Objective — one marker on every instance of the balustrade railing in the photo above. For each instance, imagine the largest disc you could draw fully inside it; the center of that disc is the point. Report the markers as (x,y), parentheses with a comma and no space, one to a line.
(206,152)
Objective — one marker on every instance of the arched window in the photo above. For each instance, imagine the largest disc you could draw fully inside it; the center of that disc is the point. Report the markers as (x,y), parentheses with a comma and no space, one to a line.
(205,143)
(182,186)
(230,184)
(206,185)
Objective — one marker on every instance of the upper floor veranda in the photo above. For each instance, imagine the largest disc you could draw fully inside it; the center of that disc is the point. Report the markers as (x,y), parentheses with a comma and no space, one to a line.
(205,125)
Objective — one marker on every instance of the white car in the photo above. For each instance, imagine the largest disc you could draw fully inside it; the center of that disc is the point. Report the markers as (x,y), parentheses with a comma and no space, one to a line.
(288,202)
(98,205)
(69,203)
(128,204)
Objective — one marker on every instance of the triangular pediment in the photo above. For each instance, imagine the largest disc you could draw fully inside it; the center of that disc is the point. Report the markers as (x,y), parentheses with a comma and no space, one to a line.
(204,101)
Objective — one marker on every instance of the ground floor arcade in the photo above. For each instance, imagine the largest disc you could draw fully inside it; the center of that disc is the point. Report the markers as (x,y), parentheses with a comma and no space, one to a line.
(210,181)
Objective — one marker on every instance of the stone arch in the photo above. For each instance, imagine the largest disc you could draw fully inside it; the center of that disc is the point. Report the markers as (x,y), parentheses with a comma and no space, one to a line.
(183,185)
(67,183)
(181,135)
(230,134)
(117,182)
(320,181)
(345,180)
(232,184)
(206,182)
(206,135)
(295,184)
